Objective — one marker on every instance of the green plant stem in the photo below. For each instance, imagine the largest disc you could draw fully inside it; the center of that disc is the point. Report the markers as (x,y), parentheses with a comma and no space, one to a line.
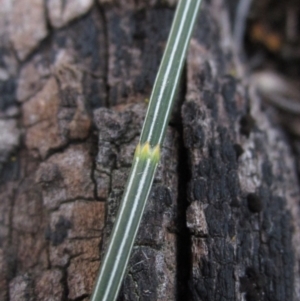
(147,154)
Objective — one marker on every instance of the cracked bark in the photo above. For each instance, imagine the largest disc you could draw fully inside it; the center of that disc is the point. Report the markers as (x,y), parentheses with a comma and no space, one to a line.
(222,219)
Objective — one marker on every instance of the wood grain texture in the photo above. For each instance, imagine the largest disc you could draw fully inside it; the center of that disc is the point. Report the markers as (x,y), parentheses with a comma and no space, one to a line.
(243,184)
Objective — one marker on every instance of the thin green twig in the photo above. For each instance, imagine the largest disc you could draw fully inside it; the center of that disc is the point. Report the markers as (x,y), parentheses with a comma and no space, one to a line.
(147,154)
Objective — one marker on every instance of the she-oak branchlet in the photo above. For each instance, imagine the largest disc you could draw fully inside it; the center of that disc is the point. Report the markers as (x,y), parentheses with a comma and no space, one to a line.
(147,154)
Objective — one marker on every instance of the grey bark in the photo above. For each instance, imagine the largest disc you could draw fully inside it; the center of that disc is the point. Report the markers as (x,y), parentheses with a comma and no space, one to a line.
(222,221)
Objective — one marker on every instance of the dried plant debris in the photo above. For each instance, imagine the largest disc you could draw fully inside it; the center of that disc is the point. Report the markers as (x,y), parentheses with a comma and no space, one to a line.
(272,44)
(274,27)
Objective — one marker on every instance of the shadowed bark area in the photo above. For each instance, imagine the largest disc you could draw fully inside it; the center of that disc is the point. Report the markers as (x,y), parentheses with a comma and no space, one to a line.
(222,221)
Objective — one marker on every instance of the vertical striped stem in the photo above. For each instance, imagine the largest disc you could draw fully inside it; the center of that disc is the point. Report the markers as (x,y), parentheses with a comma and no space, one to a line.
(147,154)
(168,76)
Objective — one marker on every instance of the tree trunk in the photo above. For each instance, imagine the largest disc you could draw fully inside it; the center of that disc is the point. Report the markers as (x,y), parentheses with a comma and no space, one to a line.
(222,221)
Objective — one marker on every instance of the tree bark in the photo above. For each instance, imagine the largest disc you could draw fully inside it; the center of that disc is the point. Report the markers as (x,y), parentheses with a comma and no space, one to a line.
(222,221)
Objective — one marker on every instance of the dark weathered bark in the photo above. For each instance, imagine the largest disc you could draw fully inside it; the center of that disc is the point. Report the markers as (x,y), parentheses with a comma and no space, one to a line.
(222,219)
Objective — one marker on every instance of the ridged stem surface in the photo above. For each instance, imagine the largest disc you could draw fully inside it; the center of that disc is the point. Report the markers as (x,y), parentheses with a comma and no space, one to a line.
(147,154)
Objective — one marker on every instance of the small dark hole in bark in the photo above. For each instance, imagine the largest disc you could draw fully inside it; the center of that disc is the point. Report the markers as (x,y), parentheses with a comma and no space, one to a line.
(238,150)
(254,203)
(247,124)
